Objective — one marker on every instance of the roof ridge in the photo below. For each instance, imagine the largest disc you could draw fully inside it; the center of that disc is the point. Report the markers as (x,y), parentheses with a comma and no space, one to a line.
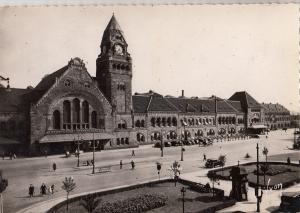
(147,109)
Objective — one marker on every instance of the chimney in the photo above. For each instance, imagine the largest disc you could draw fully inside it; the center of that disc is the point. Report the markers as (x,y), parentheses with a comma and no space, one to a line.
(182,93)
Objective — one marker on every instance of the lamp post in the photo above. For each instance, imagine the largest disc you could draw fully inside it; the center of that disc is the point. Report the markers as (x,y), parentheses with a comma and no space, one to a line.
(182,149)
(78,151)
(257,181)
(93,172)
(183,190)
(161,144)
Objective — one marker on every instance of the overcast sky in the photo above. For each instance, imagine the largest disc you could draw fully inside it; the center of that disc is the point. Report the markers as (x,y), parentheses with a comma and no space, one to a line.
(205,50)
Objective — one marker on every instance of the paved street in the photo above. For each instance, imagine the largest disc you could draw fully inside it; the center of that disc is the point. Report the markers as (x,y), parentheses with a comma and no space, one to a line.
(22,172)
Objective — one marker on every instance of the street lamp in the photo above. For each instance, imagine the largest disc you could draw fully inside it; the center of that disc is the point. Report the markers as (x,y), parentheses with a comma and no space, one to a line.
(182,149)
(161,144)
(78,152)
(93,172)
(183,190)
(258,197)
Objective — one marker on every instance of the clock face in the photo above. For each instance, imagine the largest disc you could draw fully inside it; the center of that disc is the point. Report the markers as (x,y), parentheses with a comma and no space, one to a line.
(119,49)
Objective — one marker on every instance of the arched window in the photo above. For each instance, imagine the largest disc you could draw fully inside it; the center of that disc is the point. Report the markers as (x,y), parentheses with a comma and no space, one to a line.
(158,121)
(142,123)
(85,112)
(56,119)
(122,124)
(122,141)
(138,123)
(76,111)
(67,111)
(94,119)
(174,121)
(153,121)
(164,121)
(169,121)
(118,141)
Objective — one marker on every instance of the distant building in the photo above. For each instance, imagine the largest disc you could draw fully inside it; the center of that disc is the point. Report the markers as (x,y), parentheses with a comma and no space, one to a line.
(70,107)
(276,116)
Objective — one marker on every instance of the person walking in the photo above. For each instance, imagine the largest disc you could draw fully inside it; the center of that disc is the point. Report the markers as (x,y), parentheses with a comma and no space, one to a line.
(132,165)
(54,167)
(204,157)
(31,190)
(3,155)
(52,188)
(121,164)
(132,153)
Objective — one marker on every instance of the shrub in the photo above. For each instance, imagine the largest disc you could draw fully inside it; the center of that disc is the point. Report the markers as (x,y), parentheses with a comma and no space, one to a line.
(90,202)
(140,203)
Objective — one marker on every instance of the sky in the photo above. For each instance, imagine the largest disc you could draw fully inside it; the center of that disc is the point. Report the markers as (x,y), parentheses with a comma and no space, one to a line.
(204,50)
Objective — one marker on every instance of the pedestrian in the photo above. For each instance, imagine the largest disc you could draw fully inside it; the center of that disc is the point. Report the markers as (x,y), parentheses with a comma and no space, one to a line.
(46,153)
(288,160)
(132,164)
(15,156)
(204,157)
(10,156)
(132,153)
(31,190)
(3,155)
(87,162)
(43,189)
(54,166)
(52,188)
(121,164)
(92,162)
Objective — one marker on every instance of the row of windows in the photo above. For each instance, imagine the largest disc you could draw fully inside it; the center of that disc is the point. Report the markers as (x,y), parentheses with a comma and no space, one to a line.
(121,67)
(140,123)
(274,119)
(122,141)
(10,125)
(121,86)
(227,120)
(197,121)
(163,121)
(72,110)
(122,125)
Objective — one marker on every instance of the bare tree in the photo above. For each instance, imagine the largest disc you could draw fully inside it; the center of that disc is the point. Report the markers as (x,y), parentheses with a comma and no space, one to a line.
(68,185)
(175,170)
(90,202)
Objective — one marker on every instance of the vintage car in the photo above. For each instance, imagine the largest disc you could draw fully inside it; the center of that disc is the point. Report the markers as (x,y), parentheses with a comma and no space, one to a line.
(212,163)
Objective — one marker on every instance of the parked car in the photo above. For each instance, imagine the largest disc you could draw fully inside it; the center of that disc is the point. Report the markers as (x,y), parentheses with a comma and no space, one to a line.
(212,163)
(167,144)
(290,202)
(157,145)
(284,128)
(174,143)
(254,136)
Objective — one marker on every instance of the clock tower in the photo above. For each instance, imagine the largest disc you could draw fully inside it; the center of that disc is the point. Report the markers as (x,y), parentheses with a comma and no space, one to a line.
(114,68)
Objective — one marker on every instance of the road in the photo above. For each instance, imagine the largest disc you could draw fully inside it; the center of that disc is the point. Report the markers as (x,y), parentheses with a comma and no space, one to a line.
(22,172)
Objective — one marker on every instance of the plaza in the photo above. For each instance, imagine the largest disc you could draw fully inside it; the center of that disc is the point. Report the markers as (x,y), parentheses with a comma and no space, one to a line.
(22,172)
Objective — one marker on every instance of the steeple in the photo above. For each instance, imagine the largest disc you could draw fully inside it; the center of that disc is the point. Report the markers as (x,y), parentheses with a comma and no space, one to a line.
(114,67)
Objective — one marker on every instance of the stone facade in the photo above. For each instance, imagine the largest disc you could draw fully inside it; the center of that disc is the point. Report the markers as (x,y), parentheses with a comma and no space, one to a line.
(70,108)
(276,116)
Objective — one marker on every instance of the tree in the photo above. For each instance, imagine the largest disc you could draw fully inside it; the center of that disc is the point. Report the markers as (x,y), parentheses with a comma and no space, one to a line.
(68,185)
(265,167)
(222,159)
(3,185)
(175,170)
(90,202)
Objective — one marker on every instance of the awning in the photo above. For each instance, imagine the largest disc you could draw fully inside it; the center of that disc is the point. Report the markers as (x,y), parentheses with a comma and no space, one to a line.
(258,127)
(8,141)
(70,137)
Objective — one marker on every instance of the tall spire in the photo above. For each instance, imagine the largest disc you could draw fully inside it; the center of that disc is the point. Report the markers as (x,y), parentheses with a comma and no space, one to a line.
(113,24)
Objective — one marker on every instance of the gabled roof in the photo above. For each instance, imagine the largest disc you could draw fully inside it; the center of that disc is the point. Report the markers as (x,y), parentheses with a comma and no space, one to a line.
(13,99)
(46,83)
(140,103)
(246,100)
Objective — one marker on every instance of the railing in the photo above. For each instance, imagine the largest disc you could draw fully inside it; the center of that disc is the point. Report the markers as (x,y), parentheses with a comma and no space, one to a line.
(66,131)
